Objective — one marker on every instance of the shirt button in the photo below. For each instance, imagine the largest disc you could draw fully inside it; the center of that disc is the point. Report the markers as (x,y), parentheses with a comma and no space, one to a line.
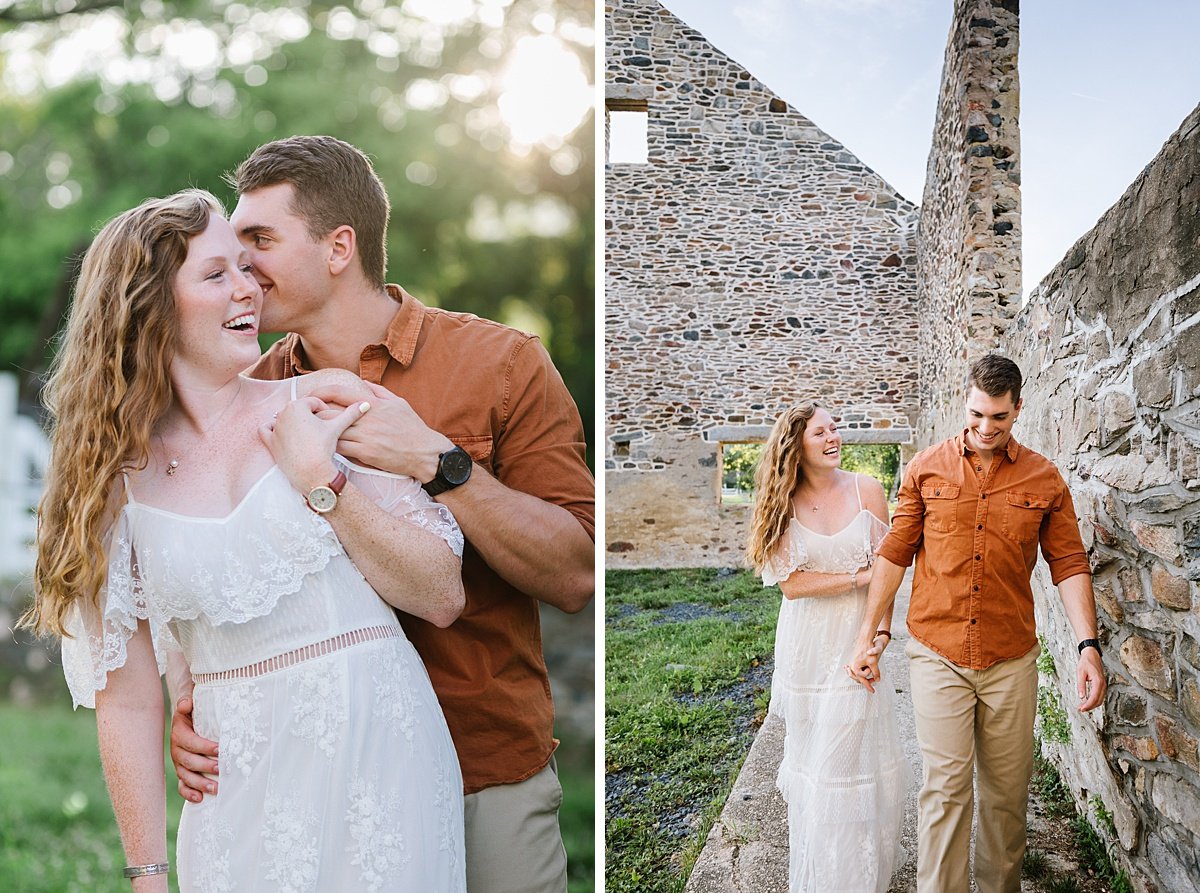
(972,621)
(1027,502)
(984,496)
(976,588)
(979,558)
(979,527)
(937,492)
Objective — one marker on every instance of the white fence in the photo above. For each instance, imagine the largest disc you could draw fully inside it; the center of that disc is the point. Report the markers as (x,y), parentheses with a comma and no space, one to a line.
(24,452)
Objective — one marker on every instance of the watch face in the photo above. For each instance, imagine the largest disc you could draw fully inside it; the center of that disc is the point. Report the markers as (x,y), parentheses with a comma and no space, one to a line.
(455,466)
(321,499)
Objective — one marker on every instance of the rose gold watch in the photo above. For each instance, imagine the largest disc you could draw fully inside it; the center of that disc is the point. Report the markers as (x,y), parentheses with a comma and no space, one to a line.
(323,499)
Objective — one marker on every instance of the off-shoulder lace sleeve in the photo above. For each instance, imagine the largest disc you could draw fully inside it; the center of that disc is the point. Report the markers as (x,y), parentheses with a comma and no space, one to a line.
(403,497)
(99,635)
(876,530)
(788,556)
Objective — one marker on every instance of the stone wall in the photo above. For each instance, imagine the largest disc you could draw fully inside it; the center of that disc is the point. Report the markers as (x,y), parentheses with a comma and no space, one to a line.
(969,248)
(1110,345)
(754,261)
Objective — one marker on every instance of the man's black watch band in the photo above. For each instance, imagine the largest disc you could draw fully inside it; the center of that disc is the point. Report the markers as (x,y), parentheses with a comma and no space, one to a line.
(1090,643)
(454,470)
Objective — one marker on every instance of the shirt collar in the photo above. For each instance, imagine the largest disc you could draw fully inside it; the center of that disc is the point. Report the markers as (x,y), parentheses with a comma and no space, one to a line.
(400,341)
(1012,449)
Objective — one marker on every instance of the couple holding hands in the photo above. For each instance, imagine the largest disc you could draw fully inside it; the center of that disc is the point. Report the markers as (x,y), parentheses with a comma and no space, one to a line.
(972,512)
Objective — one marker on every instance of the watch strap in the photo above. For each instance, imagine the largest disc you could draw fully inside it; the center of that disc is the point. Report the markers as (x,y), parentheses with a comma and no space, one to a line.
(1090,643)
(438,485)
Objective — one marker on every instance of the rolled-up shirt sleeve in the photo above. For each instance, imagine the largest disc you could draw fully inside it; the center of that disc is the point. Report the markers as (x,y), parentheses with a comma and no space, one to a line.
(1062,546)
(908,523)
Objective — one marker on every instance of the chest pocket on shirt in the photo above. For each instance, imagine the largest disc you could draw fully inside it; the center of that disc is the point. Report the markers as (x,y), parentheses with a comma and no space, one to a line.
(478,447)
(1023,513)
(941,506)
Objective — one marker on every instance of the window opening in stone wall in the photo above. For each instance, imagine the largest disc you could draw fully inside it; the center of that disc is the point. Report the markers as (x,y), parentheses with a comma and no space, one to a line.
(738,463)
(628,122)
(740,460)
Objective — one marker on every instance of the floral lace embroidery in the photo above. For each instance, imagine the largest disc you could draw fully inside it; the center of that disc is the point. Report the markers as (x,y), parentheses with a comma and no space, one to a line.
(374,824)
(241,726)
(290,842)
(448,803)
(212,853)
(254,577)
(438,521)
(318,703)
(395,701)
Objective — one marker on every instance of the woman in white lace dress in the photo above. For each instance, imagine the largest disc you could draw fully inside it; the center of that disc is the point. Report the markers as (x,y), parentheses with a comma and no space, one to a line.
(192,511)
(843,775)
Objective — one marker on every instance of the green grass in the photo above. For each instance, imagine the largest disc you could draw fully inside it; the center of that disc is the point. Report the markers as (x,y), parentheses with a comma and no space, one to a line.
(57,831)
(577,816)
(58,834)
(674,738)
(1049,786)
(1053,724)
(1034,864)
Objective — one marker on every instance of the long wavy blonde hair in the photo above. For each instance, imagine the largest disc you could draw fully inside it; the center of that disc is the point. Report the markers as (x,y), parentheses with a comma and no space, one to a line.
(775,481)
(108,388)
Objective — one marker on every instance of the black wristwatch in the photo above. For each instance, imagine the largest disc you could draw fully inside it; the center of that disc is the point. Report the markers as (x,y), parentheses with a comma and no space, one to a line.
(454,470)
(1090,643)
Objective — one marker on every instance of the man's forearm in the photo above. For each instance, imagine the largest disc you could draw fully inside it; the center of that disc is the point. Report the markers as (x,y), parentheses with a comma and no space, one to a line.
(536,546)
(1080,605)
(179,677)
(885,582)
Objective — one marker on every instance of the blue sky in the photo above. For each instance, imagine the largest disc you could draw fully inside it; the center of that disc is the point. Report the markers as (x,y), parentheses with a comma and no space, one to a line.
(1103,85)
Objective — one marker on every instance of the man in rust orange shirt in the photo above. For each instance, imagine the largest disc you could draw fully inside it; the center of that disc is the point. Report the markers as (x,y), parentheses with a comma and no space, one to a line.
(973,511)
(475,411)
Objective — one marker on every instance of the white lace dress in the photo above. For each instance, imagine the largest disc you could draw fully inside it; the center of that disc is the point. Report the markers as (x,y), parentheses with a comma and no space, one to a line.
(337,771)
(843,775)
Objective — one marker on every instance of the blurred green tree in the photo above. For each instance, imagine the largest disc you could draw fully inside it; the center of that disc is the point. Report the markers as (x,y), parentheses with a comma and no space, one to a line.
(472,112)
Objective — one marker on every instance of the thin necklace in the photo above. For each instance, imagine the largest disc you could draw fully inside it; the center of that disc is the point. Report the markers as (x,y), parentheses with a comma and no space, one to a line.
(173,464)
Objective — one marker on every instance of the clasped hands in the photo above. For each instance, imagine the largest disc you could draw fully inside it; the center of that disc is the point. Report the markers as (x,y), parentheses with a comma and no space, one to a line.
(391,437)
(864,666)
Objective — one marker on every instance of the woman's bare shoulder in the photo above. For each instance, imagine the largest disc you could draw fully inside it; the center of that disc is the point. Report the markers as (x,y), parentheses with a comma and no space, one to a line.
(330,378)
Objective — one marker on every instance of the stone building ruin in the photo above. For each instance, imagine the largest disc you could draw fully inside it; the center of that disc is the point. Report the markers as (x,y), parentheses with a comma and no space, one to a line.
(752,259)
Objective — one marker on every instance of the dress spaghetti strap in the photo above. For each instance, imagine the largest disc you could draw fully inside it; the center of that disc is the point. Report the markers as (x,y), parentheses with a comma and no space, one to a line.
(857,492)
(295,378)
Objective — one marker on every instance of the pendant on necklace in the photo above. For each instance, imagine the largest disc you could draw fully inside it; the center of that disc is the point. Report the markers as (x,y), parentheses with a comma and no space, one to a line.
(816,508)
(171,466)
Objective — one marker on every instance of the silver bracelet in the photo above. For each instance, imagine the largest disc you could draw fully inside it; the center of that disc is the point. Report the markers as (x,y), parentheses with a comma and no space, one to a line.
(132,871)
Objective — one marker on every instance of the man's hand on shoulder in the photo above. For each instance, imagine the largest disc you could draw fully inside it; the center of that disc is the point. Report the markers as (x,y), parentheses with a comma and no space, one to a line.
(394,438)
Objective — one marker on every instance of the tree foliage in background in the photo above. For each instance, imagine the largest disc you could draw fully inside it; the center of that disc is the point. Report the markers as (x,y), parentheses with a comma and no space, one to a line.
(480,221)
(880,461)
(739,462)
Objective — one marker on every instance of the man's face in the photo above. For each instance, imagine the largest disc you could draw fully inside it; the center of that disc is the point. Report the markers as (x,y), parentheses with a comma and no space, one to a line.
(990,420)
(291,267)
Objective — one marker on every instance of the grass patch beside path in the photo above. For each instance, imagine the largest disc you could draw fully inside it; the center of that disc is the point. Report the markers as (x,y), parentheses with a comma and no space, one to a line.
(686,672)
(57,831)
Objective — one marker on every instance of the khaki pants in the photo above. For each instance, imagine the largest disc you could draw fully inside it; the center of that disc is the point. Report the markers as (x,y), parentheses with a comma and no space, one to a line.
(512,838)
(969,721)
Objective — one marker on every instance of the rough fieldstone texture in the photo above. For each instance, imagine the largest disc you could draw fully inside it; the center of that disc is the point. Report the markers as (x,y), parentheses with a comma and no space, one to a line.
(753,262)
(1108,343)
(969,247)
